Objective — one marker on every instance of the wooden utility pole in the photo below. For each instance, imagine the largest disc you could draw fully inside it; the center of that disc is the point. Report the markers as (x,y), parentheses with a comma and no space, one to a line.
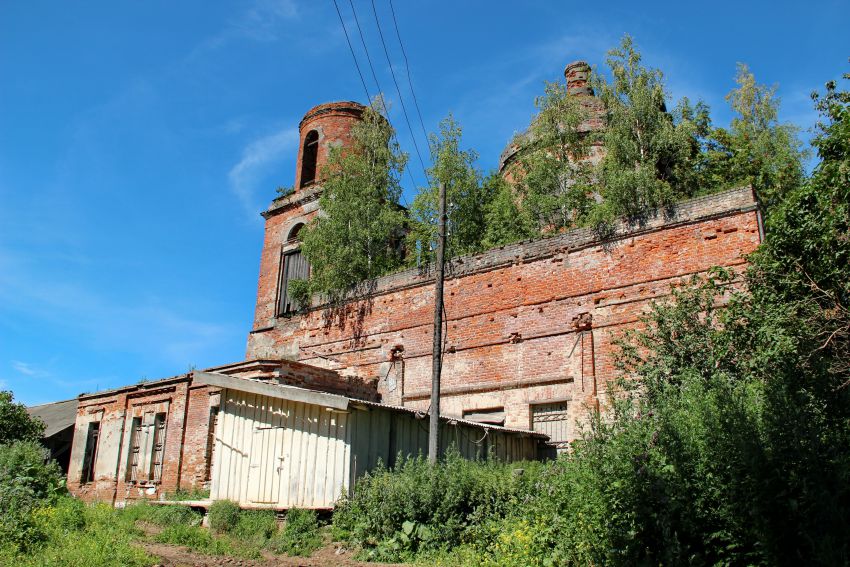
(437,353)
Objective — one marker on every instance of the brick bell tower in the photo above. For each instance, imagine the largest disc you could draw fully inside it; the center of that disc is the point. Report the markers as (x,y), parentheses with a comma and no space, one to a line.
(324,127)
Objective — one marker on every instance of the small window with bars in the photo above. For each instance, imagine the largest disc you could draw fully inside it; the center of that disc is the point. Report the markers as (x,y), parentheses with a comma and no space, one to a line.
(157,448)
(90,454)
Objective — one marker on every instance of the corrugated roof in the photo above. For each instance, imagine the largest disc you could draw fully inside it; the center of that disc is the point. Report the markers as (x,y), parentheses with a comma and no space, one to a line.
(56,416)
(235,382)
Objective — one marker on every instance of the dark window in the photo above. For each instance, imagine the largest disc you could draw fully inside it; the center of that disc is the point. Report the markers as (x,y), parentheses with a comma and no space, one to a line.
(308,158)
(211,441)
(135,449)
(294,267)
(158,448)
(90,455)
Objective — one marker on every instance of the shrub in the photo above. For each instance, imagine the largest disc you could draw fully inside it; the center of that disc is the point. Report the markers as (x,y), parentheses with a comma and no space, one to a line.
(27,481)
(223,516)
(195,538)
(300,535)
(419,507)
(255,527)
(162,515)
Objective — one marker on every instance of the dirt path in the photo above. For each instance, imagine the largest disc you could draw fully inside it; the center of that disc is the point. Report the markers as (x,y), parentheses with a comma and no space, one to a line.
(177,556)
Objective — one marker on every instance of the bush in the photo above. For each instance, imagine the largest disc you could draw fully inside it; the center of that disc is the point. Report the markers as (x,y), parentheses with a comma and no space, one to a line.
(300,535)
(419,507)
(255,527)
(76,535)
(223,516)
(28,480)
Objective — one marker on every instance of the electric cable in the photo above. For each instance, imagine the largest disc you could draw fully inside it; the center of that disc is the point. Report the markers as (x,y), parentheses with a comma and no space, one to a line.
(409,80)
(400,98)
(351,49)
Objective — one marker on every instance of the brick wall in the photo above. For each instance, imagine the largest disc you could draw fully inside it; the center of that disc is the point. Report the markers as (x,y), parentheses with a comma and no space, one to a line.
(187,407)
(527,323)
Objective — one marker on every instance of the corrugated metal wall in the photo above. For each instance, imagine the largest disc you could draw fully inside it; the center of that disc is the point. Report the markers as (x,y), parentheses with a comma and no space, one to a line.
(283,454)
(383,435)
(277,453)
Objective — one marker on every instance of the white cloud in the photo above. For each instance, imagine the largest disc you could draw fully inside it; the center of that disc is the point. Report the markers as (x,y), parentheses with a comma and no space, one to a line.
(27,369)
(257,158)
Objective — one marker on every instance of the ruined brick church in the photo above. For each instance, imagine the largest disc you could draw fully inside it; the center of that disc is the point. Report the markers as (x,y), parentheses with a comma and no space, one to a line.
(531,330)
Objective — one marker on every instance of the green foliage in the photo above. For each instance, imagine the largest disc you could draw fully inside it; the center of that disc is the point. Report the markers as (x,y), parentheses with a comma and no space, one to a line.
(418,507)
(15,423)
(648,160)
(466,200)
(554,176)
(76,535)
(192,494)
(358,236)
(163,515)
(299,291)
(299,536)
(223,516)
(28,480)
(506,221)
(756,149)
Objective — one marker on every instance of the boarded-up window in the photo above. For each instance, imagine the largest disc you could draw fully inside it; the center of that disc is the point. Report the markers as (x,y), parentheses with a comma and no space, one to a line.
(492,416)
(553,420)
(90,454)
(134,456)
(158,447)
(213,423)
(294,267)
(309,157)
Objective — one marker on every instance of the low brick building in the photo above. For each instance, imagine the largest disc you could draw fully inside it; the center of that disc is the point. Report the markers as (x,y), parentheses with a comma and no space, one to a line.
(530,329)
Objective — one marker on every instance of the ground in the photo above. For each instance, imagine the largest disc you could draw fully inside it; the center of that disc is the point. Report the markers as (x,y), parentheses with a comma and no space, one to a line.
(178,556)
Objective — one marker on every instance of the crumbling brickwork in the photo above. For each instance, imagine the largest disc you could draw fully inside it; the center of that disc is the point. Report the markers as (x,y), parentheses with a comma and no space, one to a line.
(527,324)
(188,409)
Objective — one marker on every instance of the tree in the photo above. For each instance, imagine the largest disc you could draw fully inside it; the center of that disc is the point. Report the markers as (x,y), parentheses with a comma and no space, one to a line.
(357,237)
(466,199)
(553,175)
(16,424)
(507,221)
(649,156)
(756,149)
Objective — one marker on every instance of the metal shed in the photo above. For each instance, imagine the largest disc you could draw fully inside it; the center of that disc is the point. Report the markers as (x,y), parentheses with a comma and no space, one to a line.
(279,446)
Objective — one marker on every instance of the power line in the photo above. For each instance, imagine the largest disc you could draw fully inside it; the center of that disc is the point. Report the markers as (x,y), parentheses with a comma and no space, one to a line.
(374,76)
(365,49)
(380,91)
(398,90)
(409,80)
(351,48)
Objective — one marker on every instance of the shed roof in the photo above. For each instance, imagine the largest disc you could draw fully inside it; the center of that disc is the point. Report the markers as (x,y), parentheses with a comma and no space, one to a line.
(55,415)
(294,393)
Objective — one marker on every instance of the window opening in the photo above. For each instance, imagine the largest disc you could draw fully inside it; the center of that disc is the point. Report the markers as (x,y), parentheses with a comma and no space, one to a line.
(213,423)
(295,267)
(553,420)
(90,454)
(491,416)
(309,158)
(158,447)
(135,450)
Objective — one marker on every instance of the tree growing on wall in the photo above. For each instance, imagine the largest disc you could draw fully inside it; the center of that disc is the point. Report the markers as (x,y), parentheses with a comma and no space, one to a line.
(756,149)
(649,152)
(357,237)
(467,199)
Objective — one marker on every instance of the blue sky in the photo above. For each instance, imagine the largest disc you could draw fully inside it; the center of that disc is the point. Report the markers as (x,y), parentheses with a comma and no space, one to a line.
(140,140)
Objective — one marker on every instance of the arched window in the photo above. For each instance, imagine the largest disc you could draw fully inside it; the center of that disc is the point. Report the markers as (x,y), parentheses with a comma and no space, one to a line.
(293,266)
(309,154)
